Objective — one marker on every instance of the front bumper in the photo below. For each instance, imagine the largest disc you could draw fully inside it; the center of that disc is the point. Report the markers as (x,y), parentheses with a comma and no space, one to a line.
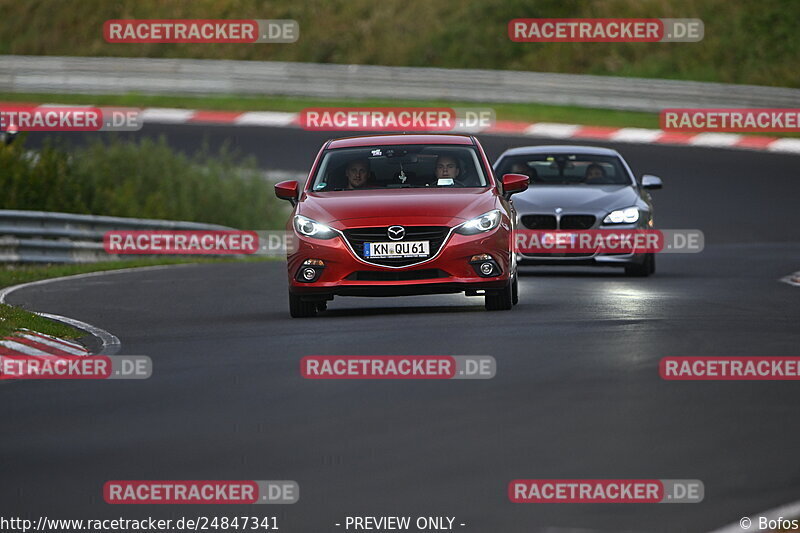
(587,259)
(580,259)
(449,271)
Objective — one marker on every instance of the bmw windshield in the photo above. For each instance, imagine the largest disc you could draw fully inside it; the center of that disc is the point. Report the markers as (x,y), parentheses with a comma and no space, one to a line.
(567,169)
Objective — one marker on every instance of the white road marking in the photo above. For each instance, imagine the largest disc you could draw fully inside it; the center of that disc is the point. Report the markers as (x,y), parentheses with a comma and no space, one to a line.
(163,115)
(792,279)
(110,343)
(55,339)
(22,348)
(265,118)
(785,145)
(54,344)
(549,129)
(715,139)
(636,135)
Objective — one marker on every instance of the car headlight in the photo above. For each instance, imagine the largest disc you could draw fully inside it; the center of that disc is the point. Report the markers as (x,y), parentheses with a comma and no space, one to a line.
(485,222)
(629,215)
(312,228)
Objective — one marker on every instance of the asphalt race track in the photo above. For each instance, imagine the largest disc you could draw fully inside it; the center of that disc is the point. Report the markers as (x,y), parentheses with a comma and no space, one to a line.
(577,392)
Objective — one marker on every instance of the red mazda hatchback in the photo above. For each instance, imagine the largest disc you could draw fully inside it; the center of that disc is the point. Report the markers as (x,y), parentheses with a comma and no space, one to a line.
(394,215)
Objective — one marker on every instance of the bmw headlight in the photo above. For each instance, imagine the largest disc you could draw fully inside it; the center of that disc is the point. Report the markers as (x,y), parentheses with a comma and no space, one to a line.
(312,228)
(485,222)
(629,215)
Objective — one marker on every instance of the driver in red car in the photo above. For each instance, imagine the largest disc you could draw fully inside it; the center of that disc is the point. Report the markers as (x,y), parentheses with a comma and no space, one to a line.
(447,167)
(357,173)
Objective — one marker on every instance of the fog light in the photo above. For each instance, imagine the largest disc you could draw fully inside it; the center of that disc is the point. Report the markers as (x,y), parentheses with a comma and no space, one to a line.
(485,265)
(310,271)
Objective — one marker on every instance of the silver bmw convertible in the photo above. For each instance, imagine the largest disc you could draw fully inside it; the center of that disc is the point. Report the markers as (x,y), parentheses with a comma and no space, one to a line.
(581,188)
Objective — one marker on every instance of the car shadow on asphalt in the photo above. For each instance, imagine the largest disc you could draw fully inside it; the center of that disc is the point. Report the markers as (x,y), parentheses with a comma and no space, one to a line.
(401,310)
(525,273)
(610,274)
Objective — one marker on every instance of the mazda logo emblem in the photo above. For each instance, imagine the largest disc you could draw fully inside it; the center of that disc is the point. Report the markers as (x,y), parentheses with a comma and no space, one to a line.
(396,233)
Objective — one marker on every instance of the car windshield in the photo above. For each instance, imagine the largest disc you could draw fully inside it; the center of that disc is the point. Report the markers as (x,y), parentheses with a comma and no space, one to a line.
(567,169)
(399,167)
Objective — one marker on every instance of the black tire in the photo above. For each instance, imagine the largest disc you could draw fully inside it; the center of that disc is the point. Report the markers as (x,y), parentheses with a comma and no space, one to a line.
(501,300)
(642,270)
(515,291)
(300,309)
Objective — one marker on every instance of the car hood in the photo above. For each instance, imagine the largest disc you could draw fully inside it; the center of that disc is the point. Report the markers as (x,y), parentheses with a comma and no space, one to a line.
(398,206)
(572,198)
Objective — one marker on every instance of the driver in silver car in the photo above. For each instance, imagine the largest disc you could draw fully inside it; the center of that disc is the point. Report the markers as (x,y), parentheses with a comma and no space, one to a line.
(594,174)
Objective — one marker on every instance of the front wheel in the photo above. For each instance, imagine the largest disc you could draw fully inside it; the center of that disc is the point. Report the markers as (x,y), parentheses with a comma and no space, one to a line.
(300,309)
(501,300)
(515,291)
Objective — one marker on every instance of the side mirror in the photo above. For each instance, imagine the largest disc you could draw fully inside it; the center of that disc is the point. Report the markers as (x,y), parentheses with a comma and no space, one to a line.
(288,190)
(651,182)
(514,183)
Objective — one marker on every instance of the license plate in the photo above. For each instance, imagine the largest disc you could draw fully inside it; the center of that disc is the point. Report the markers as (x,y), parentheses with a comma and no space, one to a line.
(400,249)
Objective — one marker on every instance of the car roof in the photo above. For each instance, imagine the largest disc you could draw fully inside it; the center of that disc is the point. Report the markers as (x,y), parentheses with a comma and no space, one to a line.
(560,149)
(402,138)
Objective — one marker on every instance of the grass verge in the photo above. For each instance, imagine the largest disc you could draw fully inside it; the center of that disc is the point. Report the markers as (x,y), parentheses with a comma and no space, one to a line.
(13,319)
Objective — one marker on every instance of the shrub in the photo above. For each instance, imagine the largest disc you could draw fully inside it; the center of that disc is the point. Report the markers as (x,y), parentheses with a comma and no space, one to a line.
(143,179)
